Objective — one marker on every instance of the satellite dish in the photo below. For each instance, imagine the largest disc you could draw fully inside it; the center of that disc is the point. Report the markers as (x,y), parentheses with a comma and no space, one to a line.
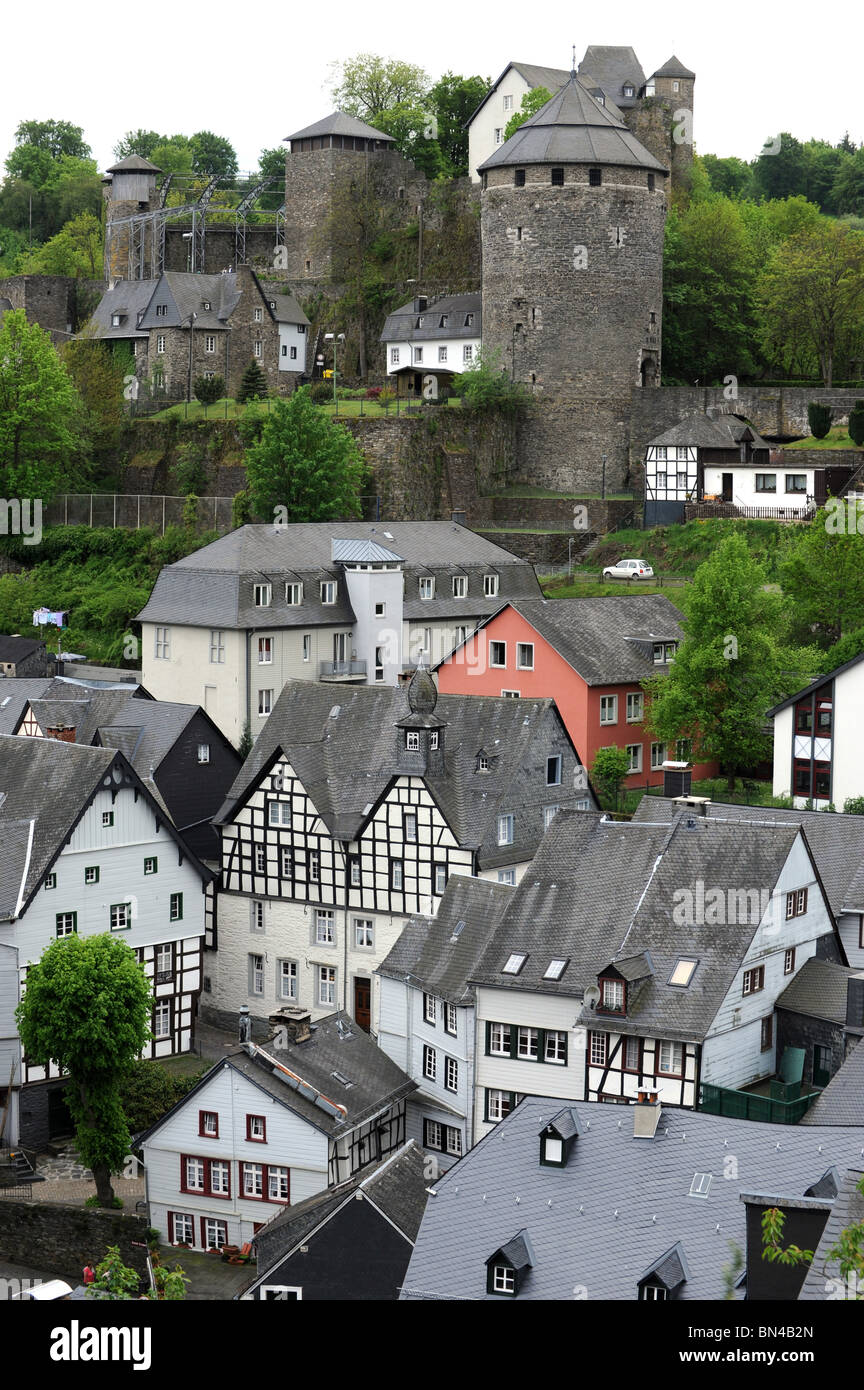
(591,997)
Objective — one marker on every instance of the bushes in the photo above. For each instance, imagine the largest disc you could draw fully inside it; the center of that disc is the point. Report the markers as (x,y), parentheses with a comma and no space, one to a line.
(856,423)
(149,1091)
(819,419)
(209,390)
(321,392)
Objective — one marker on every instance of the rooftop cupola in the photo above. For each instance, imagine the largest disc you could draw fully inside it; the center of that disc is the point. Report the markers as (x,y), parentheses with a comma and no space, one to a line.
(420,733)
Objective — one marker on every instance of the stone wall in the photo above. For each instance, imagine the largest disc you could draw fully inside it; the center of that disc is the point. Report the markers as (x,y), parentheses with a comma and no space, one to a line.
(58,303)
(62,1239)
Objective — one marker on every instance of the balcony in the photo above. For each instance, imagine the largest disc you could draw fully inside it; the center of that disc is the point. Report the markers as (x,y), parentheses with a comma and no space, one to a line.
(346,672)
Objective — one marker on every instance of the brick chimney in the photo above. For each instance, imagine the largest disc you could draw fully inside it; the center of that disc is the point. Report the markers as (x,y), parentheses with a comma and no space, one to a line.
(677,778)
(646,1112)
(290,1025)
(65,733)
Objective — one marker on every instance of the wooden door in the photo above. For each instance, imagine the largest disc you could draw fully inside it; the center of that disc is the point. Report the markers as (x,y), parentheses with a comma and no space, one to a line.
(727,487)
(363,1002)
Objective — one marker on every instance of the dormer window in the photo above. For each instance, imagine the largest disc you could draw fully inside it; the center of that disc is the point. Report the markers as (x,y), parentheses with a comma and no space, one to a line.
(557,1138)
(628,90)
(508,1268)
(412,741)
(427,588)
(612,996)
(442,323)
(469,320)
(503,1279)
(460,586)
(206,304)
(490,585)
(419,323)
(116,320)
(328,591)
(262,595)
(293,595)
(482,762)
(663,1279)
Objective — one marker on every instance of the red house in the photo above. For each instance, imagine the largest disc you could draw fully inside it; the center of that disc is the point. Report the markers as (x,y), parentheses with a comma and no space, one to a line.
(591,656)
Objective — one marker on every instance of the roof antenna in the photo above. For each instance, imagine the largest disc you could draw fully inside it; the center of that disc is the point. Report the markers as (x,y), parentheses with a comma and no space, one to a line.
(573,65)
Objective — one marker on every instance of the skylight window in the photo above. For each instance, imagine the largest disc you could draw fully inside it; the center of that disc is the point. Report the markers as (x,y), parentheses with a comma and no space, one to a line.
(514,963)
(555,969)
(701,1185)
(683,973)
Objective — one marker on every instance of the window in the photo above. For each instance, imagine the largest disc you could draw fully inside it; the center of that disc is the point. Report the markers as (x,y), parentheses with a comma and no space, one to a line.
(411,826)
(107,819)
(508,103)
(256,347)
(203,753)
(469,320)
(527,1043)
(500,1103)
(326,984)
(789,961)
(158,378)
(265,651)
(208,1124)
(659,654)
(430,1008)
(440,871)
(632,1054)
(161,311)
(683,972)
(210,343)
(328,591)
(670,1059)
(307,646)
(635,707)
(162,651)
(256,1129)
(796,482)
(598,1049)
(287,979)
(160,342)
(418,354)
(324,928)
(634,753)
(467,353)
(257,315)
(613,996)
(549,814)
(499,134)
(553,770)
(766,1033)
(363,934)
(151,865)
(514,963)
(394,357)
(433,739)
(555,969)
(215,1233)
(608,709)
(210,1176)
(433,1134)
(555,1046)
(115,320)
(65,923)
(162,1019)
(176,907)
(450,1019)
(277,1184)
(595,178)
(181,1228)
(354,871)
(256,915)
(754,980)
(766,482)
(451,1074)
(628,90)
(253,1179)
(490,585)
(265,702)
(676,86)
(256,974)
(293,595)
(91,875)
(121,916)
(519,178)
(460,587)
(499,1039)
(396,875)
(163,962)
(412,741)
(217,648)
(51,881)
(557,178)
(430,1062)
(525,656)
(505,828)
(796,903)
(262,595)
(658,754)
(192,1177)
(497,653)
(314,866)
(427,587)
(442,354)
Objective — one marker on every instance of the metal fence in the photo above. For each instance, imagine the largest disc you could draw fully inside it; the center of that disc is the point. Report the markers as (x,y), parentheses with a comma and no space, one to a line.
(744,1105)
(155,510)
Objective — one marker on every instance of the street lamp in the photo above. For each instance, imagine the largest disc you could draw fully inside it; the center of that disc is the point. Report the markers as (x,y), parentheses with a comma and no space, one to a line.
(192,318)
(334,338)
(188,236)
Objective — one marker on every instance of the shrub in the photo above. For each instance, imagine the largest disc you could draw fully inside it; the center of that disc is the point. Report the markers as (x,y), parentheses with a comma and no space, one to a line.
(209,390)
(253,386)
(373,393)
(486,386)
(147,1093)
(321,392)
(241,509)
(854,806)
(856,423)
(190,511)
(819,419)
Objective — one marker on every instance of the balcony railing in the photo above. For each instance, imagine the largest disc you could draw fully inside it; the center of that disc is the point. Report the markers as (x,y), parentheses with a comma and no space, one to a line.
(746,1105)
(341,670)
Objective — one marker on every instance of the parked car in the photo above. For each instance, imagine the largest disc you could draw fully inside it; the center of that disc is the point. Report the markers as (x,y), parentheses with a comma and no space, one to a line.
(629,569)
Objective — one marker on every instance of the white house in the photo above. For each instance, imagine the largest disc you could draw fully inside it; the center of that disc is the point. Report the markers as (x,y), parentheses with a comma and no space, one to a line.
(269,1126)
(353,602)
(720,459)
(87,848)
(818,745)
(293,333)
(503,100)
(429,341)
(427,1013)
(352,813)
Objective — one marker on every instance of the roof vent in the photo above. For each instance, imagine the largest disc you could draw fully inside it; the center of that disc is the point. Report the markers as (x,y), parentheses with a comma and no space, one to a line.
(646,1112)
(457,932)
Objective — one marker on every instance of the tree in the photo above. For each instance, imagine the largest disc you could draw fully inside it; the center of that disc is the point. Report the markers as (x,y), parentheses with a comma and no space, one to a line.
(856,423)
(453,101)
(731,176)
(244,747)
(811,293)
(76,250)
(847,1252)
(209,389)
(54,138)
(305,463)
(531,103)
(139,141)
(213,156)
(819,419)
(486,386)
(368,86)
(779,170)
(253,386)
(40,412)
(98,373)
(117,1282)
(87,1009)
(608,772)
(848,187)
(730,668)
(823,578)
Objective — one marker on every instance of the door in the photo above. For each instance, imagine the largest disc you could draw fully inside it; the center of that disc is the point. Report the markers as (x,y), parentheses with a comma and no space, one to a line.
(727,487)
(822,1060)
(363,1002)
(340,651)
(59,1120)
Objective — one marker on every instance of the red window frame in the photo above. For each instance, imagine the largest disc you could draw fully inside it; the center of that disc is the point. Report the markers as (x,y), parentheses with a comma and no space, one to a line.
(253,1138)
(206,1133)
(222,1222)
(789,960)
(757,977)
(171,1231)
(265,1183)
(207,1189)
(796,903)
(603,1007)
(624,1066)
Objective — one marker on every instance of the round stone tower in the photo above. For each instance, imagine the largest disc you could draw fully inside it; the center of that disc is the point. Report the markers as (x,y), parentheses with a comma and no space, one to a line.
(572,215)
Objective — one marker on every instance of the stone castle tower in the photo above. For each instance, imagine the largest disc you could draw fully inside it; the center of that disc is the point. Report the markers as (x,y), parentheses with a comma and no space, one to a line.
(129,190)
(663,119)
(573,209)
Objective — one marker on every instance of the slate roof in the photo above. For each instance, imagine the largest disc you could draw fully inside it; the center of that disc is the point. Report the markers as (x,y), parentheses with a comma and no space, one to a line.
(286,309)
(673,67)
(604,639)
(214,587)
(600,891)
(338,123)
(720,432)
(400,326)
(815,684)
(534,74)
(617,1207)
(190,293)
(343,746)
(573,128)
(836,841)
(842,1101)
(129,298)
(818,990)
(16,692)
(611,67)
(133,163)
(426,950)
(16,648)
(824,1277)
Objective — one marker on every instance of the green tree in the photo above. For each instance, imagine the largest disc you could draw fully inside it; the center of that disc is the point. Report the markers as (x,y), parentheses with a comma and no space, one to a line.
(531,103)
(811,294)
(608,774)
(856,423)
(139,141)
(731,176)
(253,386)
(846,1254)
(823,578)
(848,187)
(730,668)
(98,374)
(209,389)
(780,170)
(244,747)
(114,1280)
(306,463)
(819,419)
(53,138)
(87,1009)
(368,86)
(453,101)
(213,156)
(486,386)
(76,250)
(40,412)
(147,1092)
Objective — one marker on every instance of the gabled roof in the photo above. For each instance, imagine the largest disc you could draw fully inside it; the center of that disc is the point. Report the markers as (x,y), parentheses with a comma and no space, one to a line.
(440,954)
(339,123)
(673,67)
(603,639)
(612,68)
(818,990)
(16,692)
(132,164)
(534,74)
(16,648)
(842,1101)
(619,1207)
(343,747)
(669,1269)
(573,128)
(707,432)
(286,309)
(188,294)
(129,298)
(815,684)
(401,325)
(824,1278)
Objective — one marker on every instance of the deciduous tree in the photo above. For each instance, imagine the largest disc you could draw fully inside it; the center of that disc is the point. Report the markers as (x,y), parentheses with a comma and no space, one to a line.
(531,103)
(811,294)
(40,412)
(305,463)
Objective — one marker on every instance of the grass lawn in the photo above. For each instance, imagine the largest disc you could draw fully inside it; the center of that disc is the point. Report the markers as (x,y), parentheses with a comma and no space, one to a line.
(229,409)
(748,792)
(558,587)
(836,438)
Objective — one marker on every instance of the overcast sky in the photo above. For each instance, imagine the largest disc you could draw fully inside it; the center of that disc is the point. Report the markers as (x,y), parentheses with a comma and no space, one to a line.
(760,67)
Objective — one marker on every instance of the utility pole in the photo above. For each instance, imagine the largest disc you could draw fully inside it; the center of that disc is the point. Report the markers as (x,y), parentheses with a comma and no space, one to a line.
(192,318)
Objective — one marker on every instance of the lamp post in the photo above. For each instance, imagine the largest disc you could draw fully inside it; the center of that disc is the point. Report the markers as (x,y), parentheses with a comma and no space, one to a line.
(188,236)
(192,318)
(334,338)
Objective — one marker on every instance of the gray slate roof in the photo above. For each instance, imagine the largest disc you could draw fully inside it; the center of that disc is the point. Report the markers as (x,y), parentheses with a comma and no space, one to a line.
(611,68)
(338,123)
(707,432)
(400,326)
(534,74)
(347,759)
(573,128)
(190,293)
(620,1204)
(818,990)
(133,163)
(286,309)
(824,1278)
(836,842)
(16,692)
(214,587)
(427,951)
(842,1101)
(16,648)
(128,298)
(673,67)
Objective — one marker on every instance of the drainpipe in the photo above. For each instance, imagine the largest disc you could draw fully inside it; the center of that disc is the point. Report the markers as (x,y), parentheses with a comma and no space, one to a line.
(249,632)
(344,844)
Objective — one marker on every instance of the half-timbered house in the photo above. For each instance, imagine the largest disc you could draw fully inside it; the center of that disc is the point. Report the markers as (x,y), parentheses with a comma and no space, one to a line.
(270,1126)
(717,459)
(351,814)
(86,847)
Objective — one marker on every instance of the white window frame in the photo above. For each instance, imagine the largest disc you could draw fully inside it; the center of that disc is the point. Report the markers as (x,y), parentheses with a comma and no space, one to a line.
(262,594)
(426,587)
(430,1062)
(288,976)
(670,1056)
(265,651)
(506,828)
(217,647)
(326,985)
(325,926)
(558,771)
(203,753)
(430,1009)
(451,1074)
(635,707)
(500,664)
(265,702)
(634,753)
(607,703)
(490,581)
(460,587)
(162,644)
(293,594)
(364,933)
(329,587)
(524,656)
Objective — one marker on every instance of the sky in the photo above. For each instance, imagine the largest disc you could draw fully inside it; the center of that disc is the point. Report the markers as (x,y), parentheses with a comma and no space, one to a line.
(760,68)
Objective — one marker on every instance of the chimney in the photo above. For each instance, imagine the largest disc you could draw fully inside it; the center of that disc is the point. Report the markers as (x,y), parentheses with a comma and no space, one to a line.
(244,1024)
(63,732)
(646,1112)
(459,518)
(290,1024)
(676,779)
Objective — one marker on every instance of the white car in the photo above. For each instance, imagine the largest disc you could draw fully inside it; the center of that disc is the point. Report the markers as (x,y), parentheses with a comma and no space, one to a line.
(629,569)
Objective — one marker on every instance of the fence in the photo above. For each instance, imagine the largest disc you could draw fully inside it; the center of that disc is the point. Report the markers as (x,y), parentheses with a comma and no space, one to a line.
(744,1105)
(699,511)
(155,510)
(345,406)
